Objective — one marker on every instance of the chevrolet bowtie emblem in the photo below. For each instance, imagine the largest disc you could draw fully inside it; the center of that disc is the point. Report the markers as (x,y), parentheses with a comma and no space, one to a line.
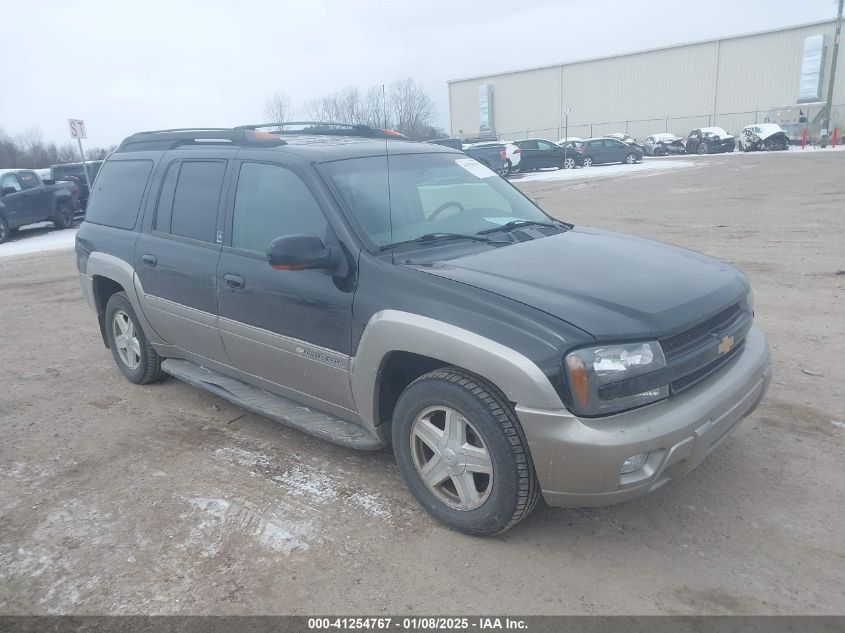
(726,344)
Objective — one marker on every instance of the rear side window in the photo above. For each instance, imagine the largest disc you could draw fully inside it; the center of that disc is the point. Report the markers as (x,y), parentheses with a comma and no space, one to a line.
(28,179)
(190,195)
(117,195)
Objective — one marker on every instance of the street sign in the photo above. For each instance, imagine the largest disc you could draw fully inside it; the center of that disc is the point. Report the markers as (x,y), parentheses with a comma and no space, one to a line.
(567,111)
(77,128)
(77,131)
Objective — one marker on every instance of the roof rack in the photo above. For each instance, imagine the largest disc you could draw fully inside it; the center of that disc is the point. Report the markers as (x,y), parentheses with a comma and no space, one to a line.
(328,128)
(246,135)
(176,137)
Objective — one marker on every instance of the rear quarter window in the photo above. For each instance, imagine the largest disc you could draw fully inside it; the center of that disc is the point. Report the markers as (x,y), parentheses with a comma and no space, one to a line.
(117,194)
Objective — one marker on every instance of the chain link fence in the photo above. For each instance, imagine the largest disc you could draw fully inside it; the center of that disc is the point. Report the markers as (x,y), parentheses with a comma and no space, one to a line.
(732,122)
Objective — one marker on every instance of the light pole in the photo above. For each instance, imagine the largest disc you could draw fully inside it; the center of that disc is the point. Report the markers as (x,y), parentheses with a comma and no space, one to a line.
(829,103)
(566,112)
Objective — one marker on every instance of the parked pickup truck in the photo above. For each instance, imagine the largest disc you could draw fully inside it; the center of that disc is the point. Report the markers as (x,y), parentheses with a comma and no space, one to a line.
(26,199)
(74,172)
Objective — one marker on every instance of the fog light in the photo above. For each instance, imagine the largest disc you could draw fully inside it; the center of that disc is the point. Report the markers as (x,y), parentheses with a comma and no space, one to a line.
(633,463)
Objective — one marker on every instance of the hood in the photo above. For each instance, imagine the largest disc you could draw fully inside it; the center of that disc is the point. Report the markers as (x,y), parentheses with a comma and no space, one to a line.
(610,285)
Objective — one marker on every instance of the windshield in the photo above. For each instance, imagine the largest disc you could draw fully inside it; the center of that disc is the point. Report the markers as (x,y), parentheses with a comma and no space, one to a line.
(428,193)
(714,131)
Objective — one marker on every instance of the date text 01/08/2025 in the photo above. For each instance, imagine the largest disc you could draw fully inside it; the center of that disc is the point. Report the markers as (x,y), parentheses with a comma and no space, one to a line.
(416,623)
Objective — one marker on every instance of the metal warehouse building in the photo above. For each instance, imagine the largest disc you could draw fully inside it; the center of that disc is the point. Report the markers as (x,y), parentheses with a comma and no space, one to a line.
(779,76)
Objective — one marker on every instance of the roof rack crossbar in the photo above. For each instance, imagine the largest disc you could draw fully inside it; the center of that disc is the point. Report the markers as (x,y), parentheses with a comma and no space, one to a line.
(354,126)
(247,135)
(170,139)
(186,129)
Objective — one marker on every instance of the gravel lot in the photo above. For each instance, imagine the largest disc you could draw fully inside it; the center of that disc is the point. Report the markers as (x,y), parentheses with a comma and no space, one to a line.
(165,499)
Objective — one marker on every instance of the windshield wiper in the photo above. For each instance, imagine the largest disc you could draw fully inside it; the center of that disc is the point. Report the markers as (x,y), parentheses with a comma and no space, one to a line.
(431,237)
(515,224)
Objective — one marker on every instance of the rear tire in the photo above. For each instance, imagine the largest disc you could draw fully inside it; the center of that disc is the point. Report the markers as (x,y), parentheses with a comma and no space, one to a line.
(5,231)
(64,216)
(132,352)
(459,432)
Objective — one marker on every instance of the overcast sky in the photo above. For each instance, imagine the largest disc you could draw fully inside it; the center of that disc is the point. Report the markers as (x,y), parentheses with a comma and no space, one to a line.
(126,67)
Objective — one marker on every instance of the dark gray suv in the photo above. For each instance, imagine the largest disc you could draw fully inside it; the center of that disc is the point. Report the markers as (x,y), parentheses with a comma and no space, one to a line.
(374,292)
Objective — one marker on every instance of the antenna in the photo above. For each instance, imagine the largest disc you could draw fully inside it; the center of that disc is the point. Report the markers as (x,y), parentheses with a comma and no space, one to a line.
(387,162)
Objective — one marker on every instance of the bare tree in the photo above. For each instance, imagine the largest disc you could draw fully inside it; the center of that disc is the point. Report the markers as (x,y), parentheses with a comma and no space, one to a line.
(277,107)
(68,153)
(411,109)
(344,106)
(404,107)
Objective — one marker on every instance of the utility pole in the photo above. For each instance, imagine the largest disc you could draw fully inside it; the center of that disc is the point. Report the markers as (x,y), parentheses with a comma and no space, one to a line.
(829,103)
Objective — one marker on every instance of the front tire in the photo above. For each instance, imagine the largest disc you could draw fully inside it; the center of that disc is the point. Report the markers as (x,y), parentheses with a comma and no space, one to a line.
(5,231)
(64,216)
(132,352)
(569,163)
(588,162)
(462,452)
(702,148)
(631,158)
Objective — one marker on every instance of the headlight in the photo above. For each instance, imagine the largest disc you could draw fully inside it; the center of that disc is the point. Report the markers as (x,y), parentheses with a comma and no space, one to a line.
(600,378)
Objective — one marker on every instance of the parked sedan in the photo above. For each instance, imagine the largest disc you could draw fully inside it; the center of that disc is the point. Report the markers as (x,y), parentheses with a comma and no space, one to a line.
(664,144)
(709,140)
(610,150)
(763,136)
(538,153)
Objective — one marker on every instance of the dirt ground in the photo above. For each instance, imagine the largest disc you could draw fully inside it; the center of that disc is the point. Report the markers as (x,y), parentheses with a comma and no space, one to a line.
(116,498)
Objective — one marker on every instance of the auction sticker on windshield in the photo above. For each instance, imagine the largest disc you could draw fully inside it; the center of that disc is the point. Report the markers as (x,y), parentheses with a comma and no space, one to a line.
(475,168)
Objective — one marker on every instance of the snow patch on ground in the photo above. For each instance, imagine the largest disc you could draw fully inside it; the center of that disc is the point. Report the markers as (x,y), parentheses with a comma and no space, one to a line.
(598,171)
(52,241)
(222,517)
(302,481)
(313,485)
(243,457)
(373,504)
(59,541)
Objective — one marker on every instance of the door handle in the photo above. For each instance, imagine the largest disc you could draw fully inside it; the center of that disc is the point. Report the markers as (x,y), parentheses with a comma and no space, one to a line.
(149,260)
(234,281)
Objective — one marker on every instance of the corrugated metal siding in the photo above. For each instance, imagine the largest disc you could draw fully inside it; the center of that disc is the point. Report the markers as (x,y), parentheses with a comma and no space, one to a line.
(674,89)
(649,85)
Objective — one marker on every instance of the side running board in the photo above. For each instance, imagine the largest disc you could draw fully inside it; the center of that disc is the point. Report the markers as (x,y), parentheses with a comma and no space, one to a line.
(288,412)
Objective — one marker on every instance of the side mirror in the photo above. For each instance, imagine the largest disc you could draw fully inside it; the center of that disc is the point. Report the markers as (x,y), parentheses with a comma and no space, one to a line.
(7,190)
(302,252)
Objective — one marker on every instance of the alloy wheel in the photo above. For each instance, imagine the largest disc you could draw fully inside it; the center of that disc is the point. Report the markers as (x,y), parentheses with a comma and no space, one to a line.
(451,458)
(569,163)
(126,340)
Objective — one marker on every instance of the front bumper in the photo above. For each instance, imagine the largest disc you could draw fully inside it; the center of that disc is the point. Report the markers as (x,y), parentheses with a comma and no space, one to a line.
(578,459)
